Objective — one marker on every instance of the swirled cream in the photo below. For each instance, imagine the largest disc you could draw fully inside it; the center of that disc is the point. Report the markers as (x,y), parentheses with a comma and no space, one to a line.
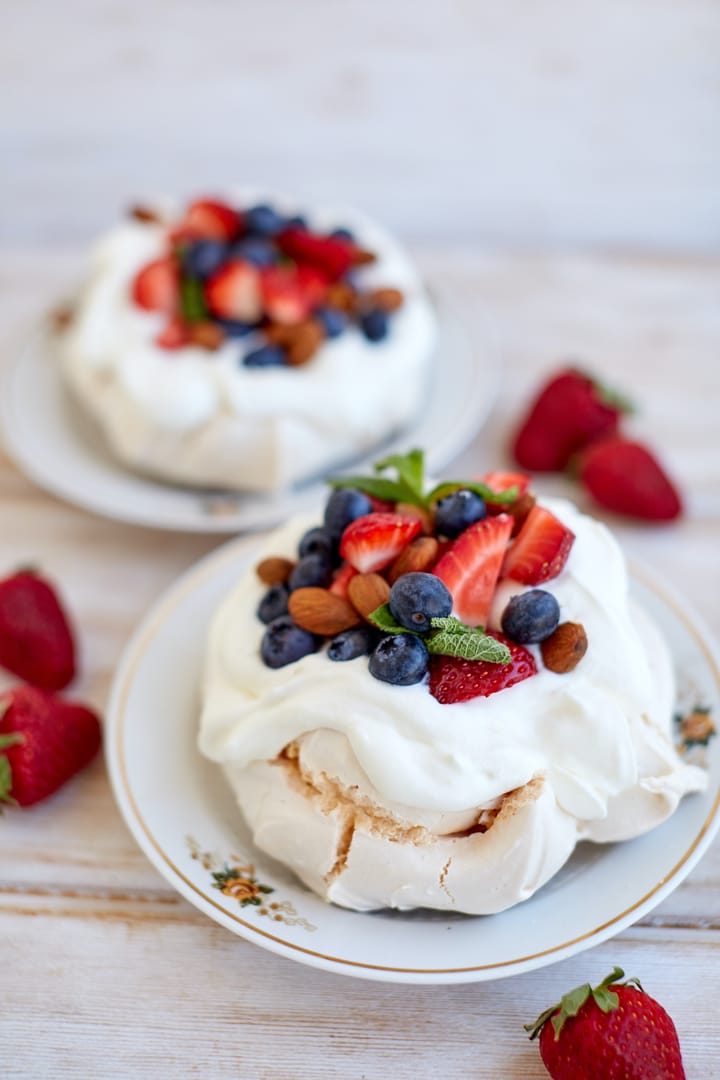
(206,419)
(378,795)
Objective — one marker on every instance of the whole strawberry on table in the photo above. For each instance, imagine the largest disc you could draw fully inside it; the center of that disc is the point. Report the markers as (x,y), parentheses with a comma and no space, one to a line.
(614,1031)
(574,423)
(44,739)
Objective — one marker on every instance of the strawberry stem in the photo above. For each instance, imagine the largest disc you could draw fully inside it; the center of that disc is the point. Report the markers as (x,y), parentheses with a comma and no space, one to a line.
(571,1003)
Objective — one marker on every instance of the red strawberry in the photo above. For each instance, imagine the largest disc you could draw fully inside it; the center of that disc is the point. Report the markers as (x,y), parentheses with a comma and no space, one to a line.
(43,742)
(341,579)
(36,641)
(331,255)
(174,334)
(454,679)
(234,292)
(208,218)
(471,567)
(570,411)
(500,481)
(625,477)
(373,541)
(540,550)
(612,1032)
(156,287)
(284,299)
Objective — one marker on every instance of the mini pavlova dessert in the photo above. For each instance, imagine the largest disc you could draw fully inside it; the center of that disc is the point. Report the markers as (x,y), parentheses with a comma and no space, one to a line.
(428,698)
(239,345)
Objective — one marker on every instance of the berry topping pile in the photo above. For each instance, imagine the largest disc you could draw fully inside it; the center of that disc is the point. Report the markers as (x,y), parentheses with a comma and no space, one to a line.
(259,275)
(407,578)
(574,423)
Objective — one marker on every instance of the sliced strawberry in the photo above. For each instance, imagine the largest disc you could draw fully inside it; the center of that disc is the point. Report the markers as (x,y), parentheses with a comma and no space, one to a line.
(174,334)
(625,477)
(471,567)
(454,679)
(371,542)
(341,579)
(156,286)
(540,549)
(208,218)
(234,292)
(500,481)
(331,255)
(284,297)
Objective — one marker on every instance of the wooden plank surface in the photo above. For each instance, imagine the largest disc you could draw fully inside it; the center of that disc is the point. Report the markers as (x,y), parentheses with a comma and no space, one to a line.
(109,973)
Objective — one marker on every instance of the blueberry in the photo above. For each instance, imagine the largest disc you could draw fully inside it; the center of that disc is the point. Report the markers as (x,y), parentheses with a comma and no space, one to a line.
(284,642)
(455,512)
(351,643)
(343,506)
(264,220)
(265,356)
(531,616)
(236,329)
(401,659)
(375,324)
(317,542)
(204,257)
(310,570)
(255,250)
(417,598)
(273,603)
(296,222)
(334,321)
(342,234)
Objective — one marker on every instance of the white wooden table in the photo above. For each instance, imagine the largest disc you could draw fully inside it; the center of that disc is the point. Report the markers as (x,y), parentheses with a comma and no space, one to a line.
(107,972)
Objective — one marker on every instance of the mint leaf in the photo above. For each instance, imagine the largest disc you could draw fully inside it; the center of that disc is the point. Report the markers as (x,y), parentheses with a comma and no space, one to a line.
(192,300)
(384,620)
(410,469)
(497,498)
(378,486)
(468,643)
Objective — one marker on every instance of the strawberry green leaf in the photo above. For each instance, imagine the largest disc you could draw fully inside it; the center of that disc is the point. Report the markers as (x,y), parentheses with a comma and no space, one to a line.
(572,1002)
(10,740)
(605,999)
(5,781)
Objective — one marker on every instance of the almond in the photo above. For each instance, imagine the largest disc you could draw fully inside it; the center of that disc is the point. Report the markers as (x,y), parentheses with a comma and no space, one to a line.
(145,214)
(206,334)
(411,510)
(61,317)
(321,612)
(565,648)
(367,592)
(308,338)
(341,295)
(362,257)
(387,299)
(520,510)
(274,570)
(417,557)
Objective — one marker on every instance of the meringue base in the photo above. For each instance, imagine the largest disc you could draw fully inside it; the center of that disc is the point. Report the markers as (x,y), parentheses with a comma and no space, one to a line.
(351,849)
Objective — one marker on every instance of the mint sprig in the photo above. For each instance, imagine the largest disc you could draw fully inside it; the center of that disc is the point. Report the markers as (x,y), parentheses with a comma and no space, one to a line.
(409,484)
(448,637)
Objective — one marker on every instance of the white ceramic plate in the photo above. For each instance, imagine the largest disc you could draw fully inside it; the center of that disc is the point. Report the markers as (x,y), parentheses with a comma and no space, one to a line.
(61,450)
(185,820)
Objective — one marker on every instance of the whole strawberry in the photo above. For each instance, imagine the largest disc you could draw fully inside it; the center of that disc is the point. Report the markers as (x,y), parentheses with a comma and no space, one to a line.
(624,476)
(43,742)
(569,412)
(612,1032)
(36,642)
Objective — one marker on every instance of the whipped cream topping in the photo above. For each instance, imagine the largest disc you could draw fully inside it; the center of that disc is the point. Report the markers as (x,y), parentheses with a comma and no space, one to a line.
(276,425)
(599,735)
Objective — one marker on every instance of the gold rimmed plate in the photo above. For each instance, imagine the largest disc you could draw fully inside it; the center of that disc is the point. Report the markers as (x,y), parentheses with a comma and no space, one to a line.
(184,818)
